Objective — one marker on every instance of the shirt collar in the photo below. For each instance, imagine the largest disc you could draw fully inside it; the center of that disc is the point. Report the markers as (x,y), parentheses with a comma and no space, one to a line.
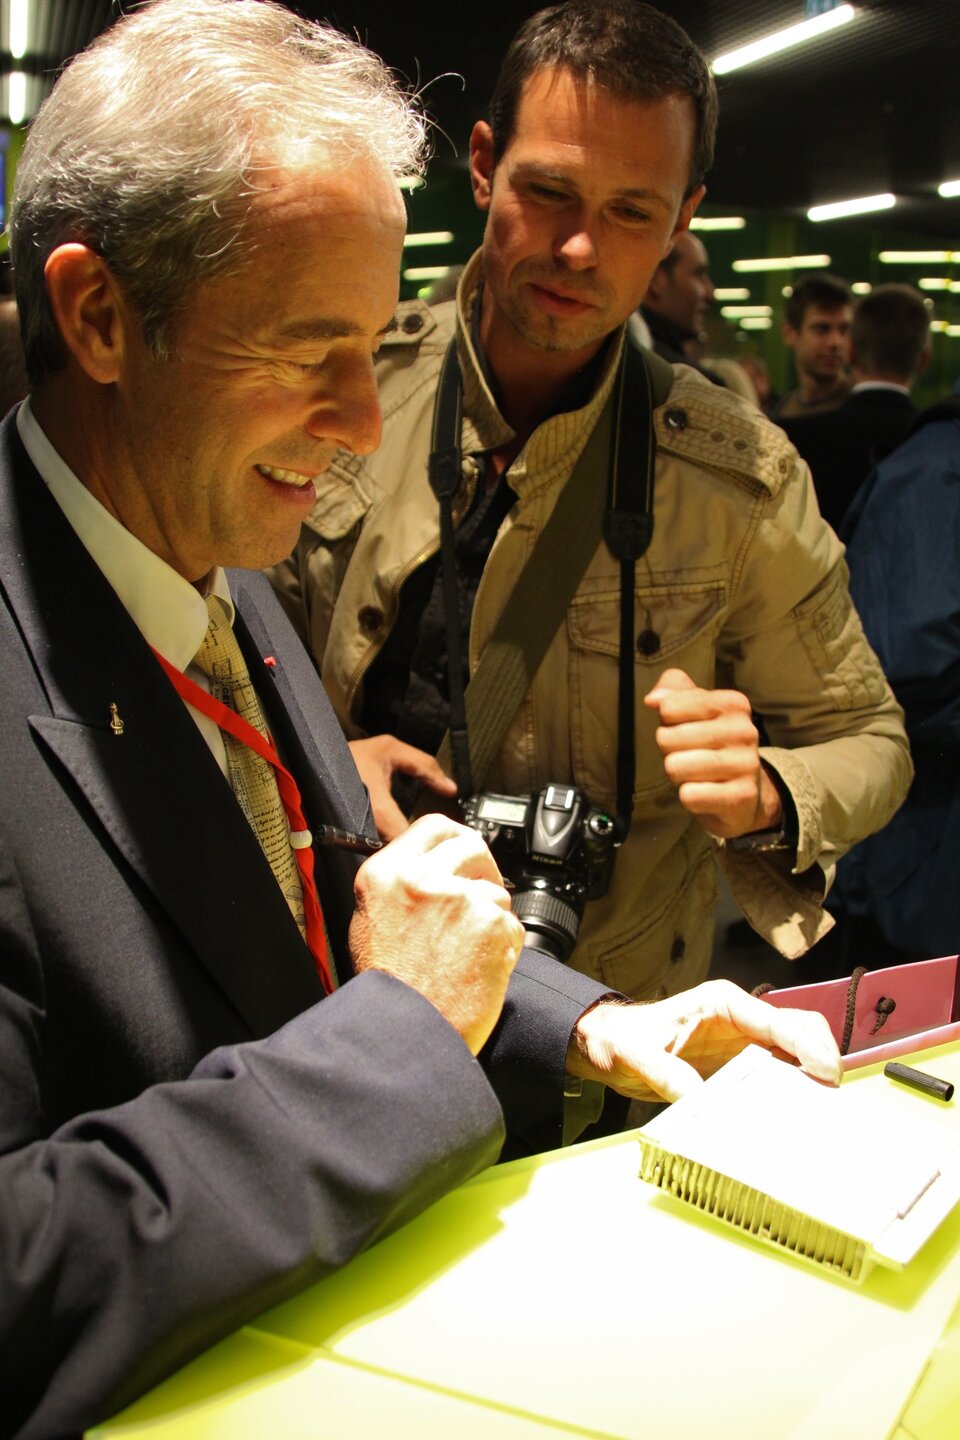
(556,444)
(862,385)
(169,612)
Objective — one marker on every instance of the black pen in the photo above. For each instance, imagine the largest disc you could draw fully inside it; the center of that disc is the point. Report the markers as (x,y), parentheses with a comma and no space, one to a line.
(346,840)
(365,845)
(919,1080)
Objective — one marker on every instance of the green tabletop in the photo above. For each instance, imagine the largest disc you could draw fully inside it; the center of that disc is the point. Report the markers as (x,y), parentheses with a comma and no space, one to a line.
(562,1296)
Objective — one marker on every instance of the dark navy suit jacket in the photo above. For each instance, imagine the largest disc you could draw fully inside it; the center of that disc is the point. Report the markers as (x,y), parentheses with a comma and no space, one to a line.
(186,1134)
(842,446)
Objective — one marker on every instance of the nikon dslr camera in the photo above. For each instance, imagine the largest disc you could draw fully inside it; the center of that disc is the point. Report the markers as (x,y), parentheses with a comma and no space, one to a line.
(558,852)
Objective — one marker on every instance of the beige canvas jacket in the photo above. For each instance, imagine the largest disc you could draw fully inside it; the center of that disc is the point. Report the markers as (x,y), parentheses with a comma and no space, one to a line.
(743,585)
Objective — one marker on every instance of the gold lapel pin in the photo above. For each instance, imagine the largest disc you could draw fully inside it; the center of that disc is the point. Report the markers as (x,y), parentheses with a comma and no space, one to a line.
(116,724)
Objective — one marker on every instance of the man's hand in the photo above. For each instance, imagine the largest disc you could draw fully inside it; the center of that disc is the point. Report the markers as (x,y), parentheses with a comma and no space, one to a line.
(432,911)
(663,1050)
(377,760)
(711,753)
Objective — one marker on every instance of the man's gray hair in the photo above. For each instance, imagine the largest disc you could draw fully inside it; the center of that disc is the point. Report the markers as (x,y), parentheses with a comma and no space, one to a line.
(149,146)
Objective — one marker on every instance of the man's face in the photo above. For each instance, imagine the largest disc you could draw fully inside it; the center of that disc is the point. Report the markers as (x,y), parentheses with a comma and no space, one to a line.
(212,452)
(821,346)
(683,292)
(581,207)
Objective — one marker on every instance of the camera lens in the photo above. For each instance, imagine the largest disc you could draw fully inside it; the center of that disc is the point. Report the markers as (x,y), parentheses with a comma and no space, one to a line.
(551,923)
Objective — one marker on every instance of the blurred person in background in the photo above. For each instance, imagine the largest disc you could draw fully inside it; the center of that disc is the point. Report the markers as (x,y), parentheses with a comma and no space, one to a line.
(889,349)
(816,327)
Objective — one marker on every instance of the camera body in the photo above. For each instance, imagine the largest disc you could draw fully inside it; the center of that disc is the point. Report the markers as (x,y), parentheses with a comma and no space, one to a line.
(558,852)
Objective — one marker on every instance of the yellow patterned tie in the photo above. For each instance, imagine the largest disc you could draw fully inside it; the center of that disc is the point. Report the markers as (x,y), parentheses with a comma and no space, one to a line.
(253,780)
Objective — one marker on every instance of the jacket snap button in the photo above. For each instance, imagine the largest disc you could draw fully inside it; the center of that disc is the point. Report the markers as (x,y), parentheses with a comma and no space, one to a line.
(718,437)
(648,642)
(371,618)
(412,323)
(678,949)
(675,419)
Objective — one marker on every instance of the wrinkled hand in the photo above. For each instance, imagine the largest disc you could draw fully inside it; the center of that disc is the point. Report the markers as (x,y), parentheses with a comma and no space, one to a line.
(432,911)
(711,753)
(378,759)
(664,1050)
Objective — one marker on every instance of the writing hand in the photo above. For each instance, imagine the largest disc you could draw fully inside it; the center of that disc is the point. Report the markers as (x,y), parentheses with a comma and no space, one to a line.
(432,911)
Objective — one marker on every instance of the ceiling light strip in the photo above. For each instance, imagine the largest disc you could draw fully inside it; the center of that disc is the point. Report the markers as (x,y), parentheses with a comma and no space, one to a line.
(783,40)
(864,205)
(19,28)
(782,262)
(718,222)
(428,237)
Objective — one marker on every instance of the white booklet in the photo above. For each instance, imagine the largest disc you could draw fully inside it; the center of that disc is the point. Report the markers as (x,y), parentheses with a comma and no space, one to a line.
(840,1177)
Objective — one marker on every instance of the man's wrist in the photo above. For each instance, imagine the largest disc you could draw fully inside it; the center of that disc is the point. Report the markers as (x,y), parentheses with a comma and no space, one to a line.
(782,828)
(578,1065)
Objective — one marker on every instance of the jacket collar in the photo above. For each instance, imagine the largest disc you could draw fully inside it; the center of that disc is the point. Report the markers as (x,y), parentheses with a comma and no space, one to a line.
(554,447)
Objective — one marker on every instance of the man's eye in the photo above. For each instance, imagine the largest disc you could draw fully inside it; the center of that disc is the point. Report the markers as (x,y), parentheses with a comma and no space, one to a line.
(631,214)
(547,192)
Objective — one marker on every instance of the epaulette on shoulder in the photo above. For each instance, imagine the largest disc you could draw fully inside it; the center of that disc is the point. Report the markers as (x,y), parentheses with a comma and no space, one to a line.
(710,426)
(415,322)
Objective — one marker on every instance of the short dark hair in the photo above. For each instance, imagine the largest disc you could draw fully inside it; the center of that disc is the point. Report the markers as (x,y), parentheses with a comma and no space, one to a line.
(891,326)
(633,50)
(828,292)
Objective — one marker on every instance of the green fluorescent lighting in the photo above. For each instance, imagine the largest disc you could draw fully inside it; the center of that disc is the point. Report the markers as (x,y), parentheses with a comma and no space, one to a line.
(737,312)
(948,189)
(918,257)
(756,322)
(717,222)
(841,208)
(427,272)
(19,29)
(781,40)
(428,237)
(782,262)
(731,292)
(17,97)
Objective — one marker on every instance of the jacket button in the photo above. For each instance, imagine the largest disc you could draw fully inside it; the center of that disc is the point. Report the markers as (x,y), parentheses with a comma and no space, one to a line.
(648,642)
(717,436)
(678,949)
(675,419)
(411,324)
(371,619)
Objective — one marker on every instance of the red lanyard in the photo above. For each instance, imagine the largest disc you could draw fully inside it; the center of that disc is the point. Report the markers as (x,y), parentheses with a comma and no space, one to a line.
(300,838)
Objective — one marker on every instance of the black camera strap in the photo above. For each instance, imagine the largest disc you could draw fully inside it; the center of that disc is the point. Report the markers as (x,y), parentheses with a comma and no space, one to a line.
(445,472)
(622,446)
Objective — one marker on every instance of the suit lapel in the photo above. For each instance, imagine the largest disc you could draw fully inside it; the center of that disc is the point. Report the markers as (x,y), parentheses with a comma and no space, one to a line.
(155,790)
(310,740)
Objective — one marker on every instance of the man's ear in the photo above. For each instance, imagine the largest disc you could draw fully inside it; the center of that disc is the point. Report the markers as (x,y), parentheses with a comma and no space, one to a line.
(481,164)
(687,211)
(654,291)
(88,309)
